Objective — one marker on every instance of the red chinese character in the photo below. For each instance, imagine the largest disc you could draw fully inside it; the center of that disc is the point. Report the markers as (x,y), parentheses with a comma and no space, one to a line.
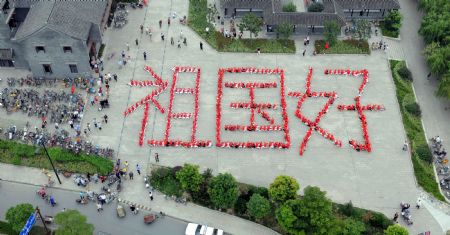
(255,108)
(161,86)
(314,125)
(193,142)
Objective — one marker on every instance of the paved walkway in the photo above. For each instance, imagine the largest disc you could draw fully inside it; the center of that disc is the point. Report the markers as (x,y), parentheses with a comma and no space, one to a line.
(435,116)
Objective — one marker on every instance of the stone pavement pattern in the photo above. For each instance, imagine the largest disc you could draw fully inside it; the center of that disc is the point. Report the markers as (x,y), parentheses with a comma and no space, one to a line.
(344,173)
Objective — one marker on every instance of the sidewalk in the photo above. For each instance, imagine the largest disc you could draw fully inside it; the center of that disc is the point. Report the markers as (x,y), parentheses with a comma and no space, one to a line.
(134,191)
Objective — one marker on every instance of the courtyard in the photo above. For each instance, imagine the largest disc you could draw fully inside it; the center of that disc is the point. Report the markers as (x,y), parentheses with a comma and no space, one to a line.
(378,180)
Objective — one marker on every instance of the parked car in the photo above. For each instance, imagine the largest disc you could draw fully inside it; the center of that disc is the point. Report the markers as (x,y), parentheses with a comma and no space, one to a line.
(197,229)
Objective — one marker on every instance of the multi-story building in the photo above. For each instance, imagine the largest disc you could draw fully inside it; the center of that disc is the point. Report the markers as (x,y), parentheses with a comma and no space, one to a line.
(52,38)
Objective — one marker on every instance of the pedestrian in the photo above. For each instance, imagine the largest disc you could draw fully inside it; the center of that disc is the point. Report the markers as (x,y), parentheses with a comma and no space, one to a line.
(418,203)
(56,126)
(137,42)
(99,126)
(128,49)
(81,195)
(181,34)
(88,176)
(115,77)
(85,132)
(304,52)
(142,29)
(131,175)
(171,41)
(138,169)
(118,163)
(258,51)
(201,46)
(405,146)
(307,40)
(156,157)
(123,52)
(89,126)
(429,75)
(179,43)
(160,23)
(184,41)
(105,118)
(151,195)
(71,123)
(99,207)
(145,55)
(396,217)
(304,42)
(162,37)
(168,21)
(126,164)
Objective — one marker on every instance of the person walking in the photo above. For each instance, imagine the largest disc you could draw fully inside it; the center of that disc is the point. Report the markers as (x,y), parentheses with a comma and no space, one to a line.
(179,43)
(145,55)
(428,76)
(128,49)
(405,146)
(142,29)
(138,169)
(137,42)
(160,23)
(81,195)
(151,195)
(105,118)
(172,42)
(131,174)
(99,207)
(156,157)
(304,52)
(162,37)
(184,41)
(396,217)
(168,21)
(201,46)
(418,203)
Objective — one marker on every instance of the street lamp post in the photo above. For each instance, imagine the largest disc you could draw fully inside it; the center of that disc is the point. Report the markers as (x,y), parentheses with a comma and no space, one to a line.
(51,162)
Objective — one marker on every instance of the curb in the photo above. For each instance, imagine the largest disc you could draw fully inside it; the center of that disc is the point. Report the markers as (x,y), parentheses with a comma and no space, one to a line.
(141,207)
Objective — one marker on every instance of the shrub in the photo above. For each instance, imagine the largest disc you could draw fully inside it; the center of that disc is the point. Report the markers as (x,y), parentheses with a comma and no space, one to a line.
(283,188)
(348,209)
(396,230)
(424,153)
(379,220)
(290,7)
(240,207)
(404,72)
(18,215)
(414,109)
(223,191)
(315,7)
(258,206)
(189,177)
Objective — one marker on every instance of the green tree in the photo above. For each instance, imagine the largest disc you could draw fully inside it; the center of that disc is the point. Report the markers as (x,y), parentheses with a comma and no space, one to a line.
(285,30)
(258,206)
(331,32)
(444,86)
(18,215)
(396,229)
(363,29)
(315,7)
(393,21)
(223,190)
(283,188)
(212,13)
(312,214)
(190,177)
(350,226)
(252,23)
(290,7)
(71,222)
(438,57)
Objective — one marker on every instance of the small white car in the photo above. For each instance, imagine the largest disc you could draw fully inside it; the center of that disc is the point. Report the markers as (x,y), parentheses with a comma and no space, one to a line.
(197,229)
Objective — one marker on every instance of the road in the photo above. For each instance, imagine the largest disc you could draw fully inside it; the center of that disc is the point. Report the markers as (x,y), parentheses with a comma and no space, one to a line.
(106,222)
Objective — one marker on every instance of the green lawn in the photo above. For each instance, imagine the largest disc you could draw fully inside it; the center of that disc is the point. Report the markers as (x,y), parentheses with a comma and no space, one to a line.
(350,46)
(197,20)
(26,155)
(422,169)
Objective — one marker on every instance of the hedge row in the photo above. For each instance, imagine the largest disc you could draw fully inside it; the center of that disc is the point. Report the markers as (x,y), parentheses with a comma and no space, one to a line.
(64,160)
(421,154)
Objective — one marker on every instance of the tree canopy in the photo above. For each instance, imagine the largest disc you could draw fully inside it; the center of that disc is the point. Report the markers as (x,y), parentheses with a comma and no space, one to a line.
(312,214)
(393,21)
(189,177)
(18,215)
(285,30)
(331,31)
(258,206)
(223,190)
(396,229)
(283,188)
(435,29)
(71,222)
(252,23)
(290,7)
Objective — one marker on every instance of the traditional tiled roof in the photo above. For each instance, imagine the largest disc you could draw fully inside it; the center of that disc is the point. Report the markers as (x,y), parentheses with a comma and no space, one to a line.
(73,18)
(369,4)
